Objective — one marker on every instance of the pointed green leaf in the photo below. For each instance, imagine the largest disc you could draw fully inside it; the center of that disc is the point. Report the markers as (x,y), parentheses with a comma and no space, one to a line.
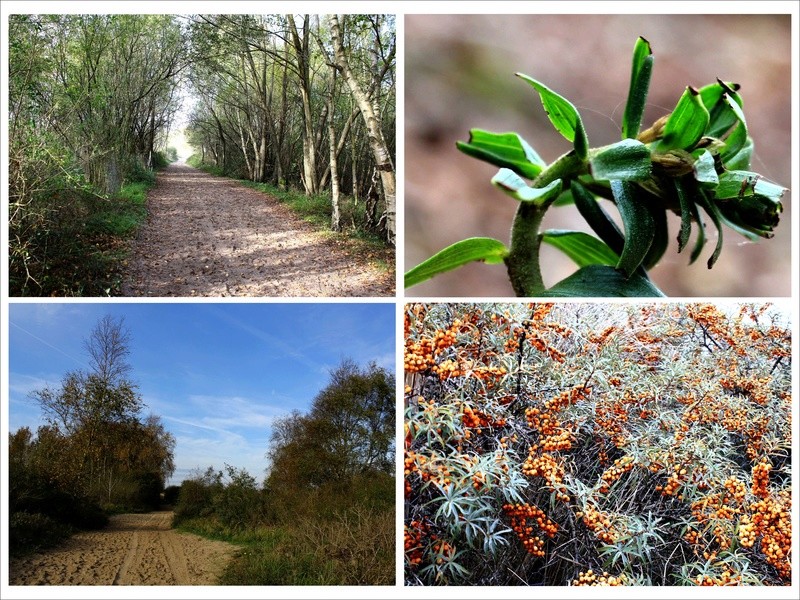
(639,226)
(597,218)
(628,160)
(513,185)
(717,99)
(581,247)
(563,115)
(687,123)
(507,150)
(637,92)
(487,250)
(737,154)
(603,281)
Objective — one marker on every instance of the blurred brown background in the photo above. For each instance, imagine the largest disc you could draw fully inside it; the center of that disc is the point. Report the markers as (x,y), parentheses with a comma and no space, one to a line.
(459,73)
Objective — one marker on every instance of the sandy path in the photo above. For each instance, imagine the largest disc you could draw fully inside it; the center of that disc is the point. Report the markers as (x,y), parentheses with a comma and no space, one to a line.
(133,550)
(211,236)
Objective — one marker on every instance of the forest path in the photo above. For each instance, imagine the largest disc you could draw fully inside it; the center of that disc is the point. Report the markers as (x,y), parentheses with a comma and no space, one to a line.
(212,236)
(135,549)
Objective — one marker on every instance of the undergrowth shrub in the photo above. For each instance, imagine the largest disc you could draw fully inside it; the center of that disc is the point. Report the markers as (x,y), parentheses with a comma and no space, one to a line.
(597,445)
(29,532)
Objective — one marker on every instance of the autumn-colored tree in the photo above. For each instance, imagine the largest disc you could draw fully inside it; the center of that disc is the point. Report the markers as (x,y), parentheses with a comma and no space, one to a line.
(96,448)
(346,437)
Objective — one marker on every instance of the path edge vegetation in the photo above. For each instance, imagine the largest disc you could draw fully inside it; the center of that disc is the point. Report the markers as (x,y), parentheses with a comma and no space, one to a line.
(87,237)
(316,210)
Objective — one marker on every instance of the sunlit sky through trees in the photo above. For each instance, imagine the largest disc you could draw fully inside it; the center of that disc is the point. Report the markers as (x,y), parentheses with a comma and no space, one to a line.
(217,374)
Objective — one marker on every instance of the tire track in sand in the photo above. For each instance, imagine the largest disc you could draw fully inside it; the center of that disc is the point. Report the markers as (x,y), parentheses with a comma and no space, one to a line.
(135,549)
(122,574)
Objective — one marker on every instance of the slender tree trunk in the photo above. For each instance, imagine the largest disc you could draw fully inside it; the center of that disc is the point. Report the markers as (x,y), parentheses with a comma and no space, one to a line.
(336,224)
(380,150)
(310,180)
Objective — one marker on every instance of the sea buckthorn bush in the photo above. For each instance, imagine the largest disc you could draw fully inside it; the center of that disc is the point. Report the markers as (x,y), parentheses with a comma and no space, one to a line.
(589,444)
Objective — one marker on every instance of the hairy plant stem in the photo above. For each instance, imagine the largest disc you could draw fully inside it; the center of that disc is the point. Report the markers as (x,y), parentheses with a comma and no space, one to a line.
(522,262)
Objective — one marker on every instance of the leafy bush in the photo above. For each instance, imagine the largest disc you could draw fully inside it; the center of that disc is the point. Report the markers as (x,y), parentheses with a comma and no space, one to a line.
(239,504)
(597,444)
(29,532)
(197,496)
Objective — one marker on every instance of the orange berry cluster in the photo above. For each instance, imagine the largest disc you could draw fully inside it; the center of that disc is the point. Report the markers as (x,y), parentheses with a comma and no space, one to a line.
(549,469)
(603,336)
(612,474)
(599,524)
(761,478)
(413,536)
(520,514)
(478,420)
(614,381)
(443,550)
(717,510)
(537,342)
(428,471)
(726,578)
(713,320)
(770,519)
(420,355)
(754,388)
(590,578)
(674,482)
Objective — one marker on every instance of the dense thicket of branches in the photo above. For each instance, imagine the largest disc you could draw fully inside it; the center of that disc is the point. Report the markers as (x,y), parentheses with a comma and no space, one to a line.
(299,101)
(91,98)
(96,448)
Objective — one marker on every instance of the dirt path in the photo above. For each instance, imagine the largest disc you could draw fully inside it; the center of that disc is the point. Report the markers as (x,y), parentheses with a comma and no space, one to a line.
(211,236)
(132,550)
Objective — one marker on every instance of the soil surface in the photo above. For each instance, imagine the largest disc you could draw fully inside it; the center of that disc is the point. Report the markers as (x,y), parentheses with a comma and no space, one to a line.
(135,549)
(212,236)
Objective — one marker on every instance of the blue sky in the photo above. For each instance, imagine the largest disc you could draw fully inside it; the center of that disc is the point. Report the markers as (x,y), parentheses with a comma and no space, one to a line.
(216,374)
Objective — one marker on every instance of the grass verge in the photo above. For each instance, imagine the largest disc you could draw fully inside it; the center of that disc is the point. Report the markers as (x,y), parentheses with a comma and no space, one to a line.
(354,548)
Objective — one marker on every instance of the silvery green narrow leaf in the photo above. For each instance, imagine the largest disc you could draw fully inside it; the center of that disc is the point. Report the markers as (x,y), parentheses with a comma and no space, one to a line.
(628,160)
(739,184)
(701,233)
(507,150)
(687,123)
(487,250)
(660,232)
(513,185)
(637,92)
(686,214)
(563,115)
(705,172)
(581,247)
(749,201)
(597,218)
(639,226)
(603,281)
(712,212)
(715,98)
